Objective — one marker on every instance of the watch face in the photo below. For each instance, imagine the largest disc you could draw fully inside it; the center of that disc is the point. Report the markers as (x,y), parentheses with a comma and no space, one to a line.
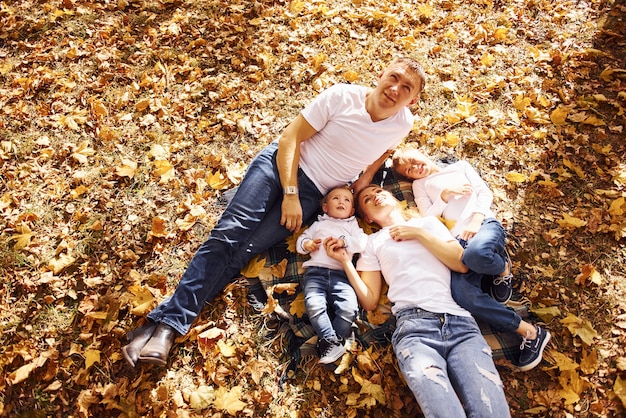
(291,190)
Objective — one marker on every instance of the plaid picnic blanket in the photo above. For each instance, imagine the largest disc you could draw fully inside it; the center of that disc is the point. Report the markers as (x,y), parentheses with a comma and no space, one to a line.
(283,276)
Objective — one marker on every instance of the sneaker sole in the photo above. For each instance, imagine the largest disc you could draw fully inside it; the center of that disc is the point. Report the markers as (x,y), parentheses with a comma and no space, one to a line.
(332,359)
(504,300)
(535,362)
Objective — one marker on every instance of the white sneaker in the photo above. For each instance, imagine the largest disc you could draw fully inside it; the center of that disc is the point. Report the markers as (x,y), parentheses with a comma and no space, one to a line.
(330,352)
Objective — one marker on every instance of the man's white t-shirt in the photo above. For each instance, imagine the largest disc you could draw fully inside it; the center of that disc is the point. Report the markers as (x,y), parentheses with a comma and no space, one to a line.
(416,278)
(347,141)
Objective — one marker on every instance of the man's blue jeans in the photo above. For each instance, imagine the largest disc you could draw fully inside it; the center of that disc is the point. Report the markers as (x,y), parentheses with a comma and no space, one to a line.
(448,365)
(249,225)
(326,289)
(484,255)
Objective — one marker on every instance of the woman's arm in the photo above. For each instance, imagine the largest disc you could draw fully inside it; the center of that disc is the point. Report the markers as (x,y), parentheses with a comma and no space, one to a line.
(367,284)
(449,252)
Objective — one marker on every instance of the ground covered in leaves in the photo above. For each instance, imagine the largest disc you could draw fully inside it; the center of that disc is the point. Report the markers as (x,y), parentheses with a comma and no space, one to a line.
(123,121)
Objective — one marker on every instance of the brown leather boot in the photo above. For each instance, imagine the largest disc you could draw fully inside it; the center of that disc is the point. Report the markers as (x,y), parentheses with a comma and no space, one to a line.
(156,350)
(137,339)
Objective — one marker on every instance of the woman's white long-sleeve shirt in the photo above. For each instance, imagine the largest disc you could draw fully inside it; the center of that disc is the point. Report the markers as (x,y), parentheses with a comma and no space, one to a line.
(427,193)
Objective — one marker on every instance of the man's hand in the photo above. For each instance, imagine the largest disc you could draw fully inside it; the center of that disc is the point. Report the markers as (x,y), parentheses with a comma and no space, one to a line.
(291,217)
(359,184)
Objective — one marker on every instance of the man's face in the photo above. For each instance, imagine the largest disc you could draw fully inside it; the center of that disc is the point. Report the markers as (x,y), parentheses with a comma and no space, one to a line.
(398,86)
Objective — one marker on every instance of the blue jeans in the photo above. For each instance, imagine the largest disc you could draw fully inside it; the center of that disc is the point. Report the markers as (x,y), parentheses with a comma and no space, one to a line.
(326,289)
(467,292)
(448,365)
(249,225)
(485,253)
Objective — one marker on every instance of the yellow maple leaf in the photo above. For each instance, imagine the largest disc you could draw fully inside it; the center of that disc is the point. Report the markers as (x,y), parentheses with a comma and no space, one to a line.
(142,299)
(289,288)
(500,34)
(574,167)
(548,313)
(580,327)
(164,169)
(618,206)
(217,181)
(587,271)
(202,397)
(91,356)
(228,400)
(297,307)
(515,177)
(563,362)
(465,107)
(227,349)
(83,151)
(559,116)
(487,59)
(620,389)
(520,102)
(22,239)
(571,221)
(278,270)
(158,227)
(452,139)
(60,263)
(590,362)
(253,268)
(127,169)
(351,76)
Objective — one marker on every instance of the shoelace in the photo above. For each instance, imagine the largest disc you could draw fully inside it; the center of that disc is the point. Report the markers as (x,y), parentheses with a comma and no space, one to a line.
(527,342)
(503,279)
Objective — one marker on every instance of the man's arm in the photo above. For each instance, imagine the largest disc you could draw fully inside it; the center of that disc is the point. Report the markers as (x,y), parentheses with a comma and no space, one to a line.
(287,160)
(365,179)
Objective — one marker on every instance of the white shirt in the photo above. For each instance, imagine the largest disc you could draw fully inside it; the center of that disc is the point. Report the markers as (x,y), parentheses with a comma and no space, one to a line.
(427,194)
(325,227)
(416,278)
(347,140)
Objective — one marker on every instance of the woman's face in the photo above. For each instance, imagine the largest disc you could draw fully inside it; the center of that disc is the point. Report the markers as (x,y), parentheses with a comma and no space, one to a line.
(415,165)
(376,203)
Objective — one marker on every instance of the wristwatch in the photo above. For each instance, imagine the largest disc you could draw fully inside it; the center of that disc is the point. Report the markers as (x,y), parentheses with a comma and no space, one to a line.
(290,190)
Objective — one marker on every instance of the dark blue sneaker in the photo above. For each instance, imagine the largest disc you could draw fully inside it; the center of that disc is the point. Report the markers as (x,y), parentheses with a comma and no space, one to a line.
(501,288)
(532,350)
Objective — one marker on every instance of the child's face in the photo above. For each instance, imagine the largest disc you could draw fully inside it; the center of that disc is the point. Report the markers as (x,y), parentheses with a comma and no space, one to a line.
(414,165)
(339,204)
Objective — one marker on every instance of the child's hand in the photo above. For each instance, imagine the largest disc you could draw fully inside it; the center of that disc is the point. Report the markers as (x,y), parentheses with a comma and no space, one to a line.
(402,232)
(312,245)
(335,248)
(464,190)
